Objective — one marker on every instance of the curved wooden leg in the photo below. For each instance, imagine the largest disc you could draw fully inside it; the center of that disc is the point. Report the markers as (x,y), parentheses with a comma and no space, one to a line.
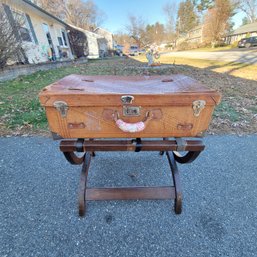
(83,184)
(176,182)
(187,158)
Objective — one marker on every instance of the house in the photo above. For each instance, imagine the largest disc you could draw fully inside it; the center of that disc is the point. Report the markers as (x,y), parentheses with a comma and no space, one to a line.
(248,30)
(96,44)
(44,36)
(195,35)
(107,35)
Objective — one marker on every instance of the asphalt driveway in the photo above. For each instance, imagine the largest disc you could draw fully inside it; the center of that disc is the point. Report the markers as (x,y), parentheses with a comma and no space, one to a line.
(38,203)
(238,55)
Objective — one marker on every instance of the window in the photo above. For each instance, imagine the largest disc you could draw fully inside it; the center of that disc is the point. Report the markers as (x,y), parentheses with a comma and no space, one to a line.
(48,35)
(25,35)
(23,26)
(60,41)
(254,39)
(64,38)
(51,55)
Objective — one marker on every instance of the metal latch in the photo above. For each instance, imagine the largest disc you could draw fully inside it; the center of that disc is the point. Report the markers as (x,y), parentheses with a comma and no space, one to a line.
(62,107)
(131,110)
(198,106)
(127,99)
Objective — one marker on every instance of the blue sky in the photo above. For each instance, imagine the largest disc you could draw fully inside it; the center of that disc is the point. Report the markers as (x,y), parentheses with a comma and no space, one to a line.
(117,12)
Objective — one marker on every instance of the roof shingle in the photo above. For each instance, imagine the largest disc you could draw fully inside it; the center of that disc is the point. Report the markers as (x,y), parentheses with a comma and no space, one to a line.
(246,28)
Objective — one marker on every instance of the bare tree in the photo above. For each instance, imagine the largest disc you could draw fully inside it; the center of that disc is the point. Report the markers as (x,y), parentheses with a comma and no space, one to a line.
(82,14)
(10,43)
(55,7)
(217,21)
(121,38)
(136,30)
(85,15)
(249,7)
(170,10)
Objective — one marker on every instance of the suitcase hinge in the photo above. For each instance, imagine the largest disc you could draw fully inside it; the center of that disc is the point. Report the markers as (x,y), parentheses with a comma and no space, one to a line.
(198,106)
(62,107)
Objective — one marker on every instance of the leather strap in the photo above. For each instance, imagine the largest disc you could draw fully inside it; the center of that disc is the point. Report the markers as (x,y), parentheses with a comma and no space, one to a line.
(181,144)
(138,142)
(79,145)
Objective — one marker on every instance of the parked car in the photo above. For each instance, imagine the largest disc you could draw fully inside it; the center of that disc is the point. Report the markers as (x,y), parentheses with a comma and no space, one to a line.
(118,50)
(247,42)
(133,50)
(141,51)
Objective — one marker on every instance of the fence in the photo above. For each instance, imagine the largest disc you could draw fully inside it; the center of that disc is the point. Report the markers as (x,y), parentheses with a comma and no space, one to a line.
(13,72)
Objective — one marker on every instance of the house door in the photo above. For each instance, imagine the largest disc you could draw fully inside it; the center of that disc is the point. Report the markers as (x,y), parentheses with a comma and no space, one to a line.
(51,53)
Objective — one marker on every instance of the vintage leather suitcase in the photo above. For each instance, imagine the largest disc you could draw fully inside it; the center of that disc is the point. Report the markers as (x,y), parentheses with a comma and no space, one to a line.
(128,107)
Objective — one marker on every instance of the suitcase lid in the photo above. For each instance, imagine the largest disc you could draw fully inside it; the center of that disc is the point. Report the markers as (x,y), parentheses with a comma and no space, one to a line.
(78,90)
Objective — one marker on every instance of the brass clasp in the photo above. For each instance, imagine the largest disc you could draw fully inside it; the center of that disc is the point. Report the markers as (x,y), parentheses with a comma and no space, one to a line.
(127,99)
(62,107)
(198,106)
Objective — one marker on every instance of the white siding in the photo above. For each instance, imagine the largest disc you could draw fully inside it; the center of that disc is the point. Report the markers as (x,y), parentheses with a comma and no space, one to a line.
(93,50)
(107,35)
(37,53)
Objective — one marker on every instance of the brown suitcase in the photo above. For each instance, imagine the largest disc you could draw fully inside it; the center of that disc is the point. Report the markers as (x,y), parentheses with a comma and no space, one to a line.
(128,107)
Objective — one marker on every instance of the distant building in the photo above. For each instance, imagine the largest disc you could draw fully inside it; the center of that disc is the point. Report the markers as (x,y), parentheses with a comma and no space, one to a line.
(195,35)
(96,45)
(248,30)
(44,36)
(107,35)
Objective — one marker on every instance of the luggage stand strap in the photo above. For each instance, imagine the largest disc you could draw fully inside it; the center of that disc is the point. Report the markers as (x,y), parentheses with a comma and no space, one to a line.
(181,144)
(79,145)
(138,142)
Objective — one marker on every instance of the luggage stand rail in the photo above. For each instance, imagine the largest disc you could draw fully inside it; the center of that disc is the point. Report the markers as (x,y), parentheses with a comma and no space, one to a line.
(192,149)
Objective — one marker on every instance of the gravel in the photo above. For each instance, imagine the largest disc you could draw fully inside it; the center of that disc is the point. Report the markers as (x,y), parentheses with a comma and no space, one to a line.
(38,203)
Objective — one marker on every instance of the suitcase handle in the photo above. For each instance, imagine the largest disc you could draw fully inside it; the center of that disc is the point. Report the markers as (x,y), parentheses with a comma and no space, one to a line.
(132,127)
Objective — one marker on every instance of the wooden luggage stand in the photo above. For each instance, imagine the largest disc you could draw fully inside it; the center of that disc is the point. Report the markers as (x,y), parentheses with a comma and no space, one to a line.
(171,147)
